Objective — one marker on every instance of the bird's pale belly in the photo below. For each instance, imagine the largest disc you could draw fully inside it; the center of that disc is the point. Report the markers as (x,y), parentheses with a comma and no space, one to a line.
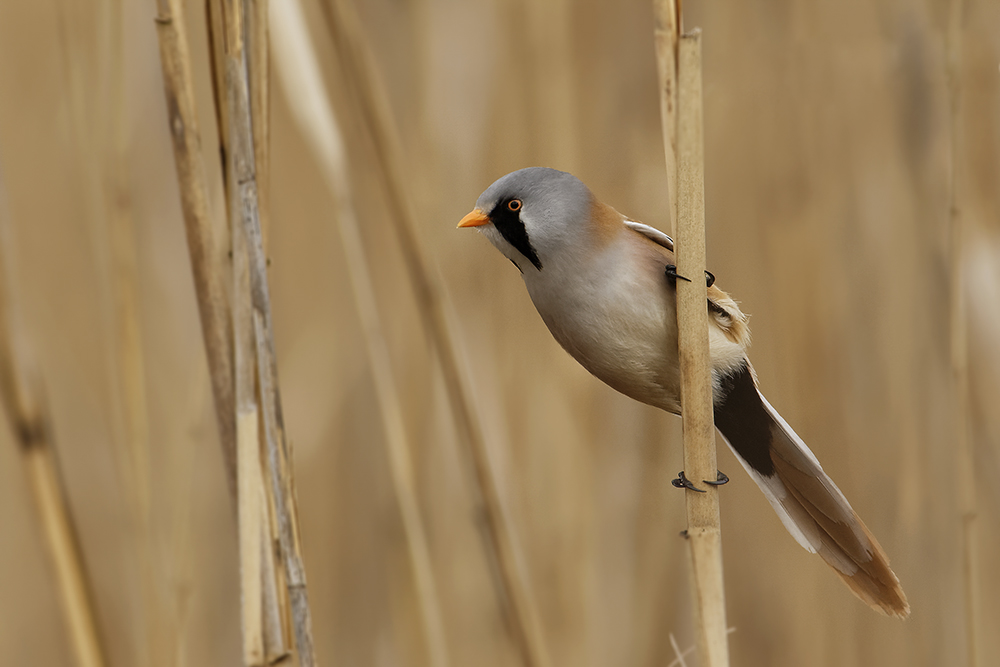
(627,342)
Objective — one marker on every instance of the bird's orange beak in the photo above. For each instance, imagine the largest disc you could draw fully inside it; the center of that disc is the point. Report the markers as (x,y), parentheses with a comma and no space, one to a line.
(475,218)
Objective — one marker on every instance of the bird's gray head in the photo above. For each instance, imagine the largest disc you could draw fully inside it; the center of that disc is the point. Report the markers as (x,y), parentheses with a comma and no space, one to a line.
(528,214)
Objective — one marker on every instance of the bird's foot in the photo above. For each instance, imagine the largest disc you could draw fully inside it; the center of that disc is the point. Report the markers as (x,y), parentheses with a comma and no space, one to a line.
(720,479)
(672,276)
(683,482)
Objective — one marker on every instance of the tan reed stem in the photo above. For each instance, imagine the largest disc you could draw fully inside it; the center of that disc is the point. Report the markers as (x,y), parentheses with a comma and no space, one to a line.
(277,614)
(245,214)
(310,103)
(665,37)
(349,40)
(209,263)
(27,413)
(250,481)
(263,640)
(958,340)
(258,67)
(703,532)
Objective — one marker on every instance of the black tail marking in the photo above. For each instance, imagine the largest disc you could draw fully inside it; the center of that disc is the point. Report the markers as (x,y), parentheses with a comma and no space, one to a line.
(741,416)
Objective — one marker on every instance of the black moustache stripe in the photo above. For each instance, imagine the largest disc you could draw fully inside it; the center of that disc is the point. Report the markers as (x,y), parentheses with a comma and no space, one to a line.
(510,226)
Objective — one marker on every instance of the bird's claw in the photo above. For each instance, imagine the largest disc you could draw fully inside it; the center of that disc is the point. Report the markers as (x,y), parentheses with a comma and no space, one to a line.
(683,482)
(672,275)
(720,479)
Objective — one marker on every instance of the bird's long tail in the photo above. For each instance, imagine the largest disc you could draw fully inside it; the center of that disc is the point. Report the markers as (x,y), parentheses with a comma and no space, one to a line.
(810,505)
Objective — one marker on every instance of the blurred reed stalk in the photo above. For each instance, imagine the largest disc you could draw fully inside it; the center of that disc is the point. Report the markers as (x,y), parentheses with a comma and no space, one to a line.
(128,358)
(373,106)
(958,340)
(100,137)
(704,531)
(310,103)
(245,219)
(24,402)
(666,31)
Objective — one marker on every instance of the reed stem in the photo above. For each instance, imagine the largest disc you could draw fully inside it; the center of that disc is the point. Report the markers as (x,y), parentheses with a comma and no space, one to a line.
(958,342)
(245,214)
(666,32)
(703,533)
(209,262)
(263,636)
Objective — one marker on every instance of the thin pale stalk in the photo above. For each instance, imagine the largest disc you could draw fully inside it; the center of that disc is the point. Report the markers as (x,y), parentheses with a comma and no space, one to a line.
(251,493)
(259,69)
(276,608)
(215,24)
(27,413)
(349,40)
(703,533)
(665,36)
(958,334)
(263,638)
(272,586)
(128,349)
(245,214)
(100,137)
(250,513)
(303,83)
(209,264)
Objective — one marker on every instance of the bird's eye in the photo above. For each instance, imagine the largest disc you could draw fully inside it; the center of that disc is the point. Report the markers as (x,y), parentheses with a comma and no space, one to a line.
(514,205)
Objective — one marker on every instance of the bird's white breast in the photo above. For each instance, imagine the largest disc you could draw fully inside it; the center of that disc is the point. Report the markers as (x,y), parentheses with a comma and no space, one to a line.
(611,309)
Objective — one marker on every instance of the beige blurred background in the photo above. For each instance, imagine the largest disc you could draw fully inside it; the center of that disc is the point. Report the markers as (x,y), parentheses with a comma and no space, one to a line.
(827,168)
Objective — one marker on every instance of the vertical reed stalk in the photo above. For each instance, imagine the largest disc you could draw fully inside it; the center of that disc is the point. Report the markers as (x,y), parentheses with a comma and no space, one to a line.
(250,482)
(258,66)
(276,613)
(311,107)
(703,532)
(958,339)
(100,136)
(263,637)
(666,32)
(209,264)
(358,62)
(276,608)
(27,413)
(217,62)
(128,359)
(245,215)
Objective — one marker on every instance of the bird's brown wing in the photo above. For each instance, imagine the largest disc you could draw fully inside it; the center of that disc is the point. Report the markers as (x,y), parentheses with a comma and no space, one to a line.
(721,307)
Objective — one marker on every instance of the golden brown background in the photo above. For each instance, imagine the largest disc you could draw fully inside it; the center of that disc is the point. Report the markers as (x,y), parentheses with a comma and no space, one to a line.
(828,133)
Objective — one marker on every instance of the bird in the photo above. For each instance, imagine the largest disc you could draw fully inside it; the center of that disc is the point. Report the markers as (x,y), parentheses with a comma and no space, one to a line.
(605,287)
